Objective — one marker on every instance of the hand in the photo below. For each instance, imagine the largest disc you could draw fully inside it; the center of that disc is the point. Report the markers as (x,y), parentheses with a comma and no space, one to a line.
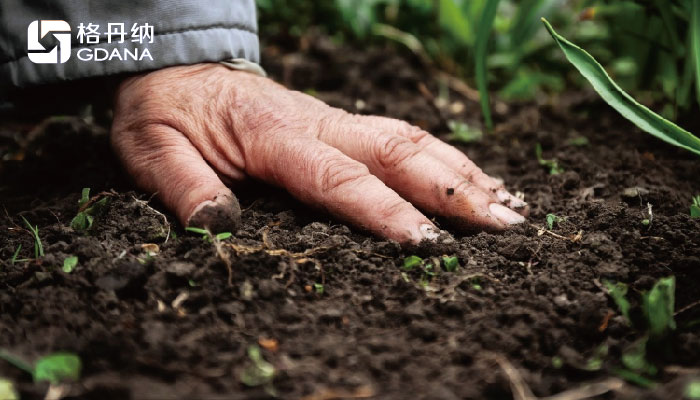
(182,132)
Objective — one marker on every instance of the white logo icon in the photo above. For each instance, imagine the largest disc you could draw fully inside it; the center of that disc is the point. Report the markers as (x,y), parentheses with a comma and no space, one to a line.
(37,30)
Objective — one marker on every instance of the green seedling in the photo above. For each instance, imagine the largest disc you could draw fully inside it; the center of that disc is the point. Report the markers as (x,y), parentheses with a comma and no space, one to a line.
(634,358)
(634,377)
(318,288)
(260,372)
(38,247)
(595,363)
(551,220)
(54,368)
(658,305)
(488,16)
(7,390)
(15,254)
(450,263)
(692,390)
(461,132)
(695,207)
(207,236)
(69,264)
(618,292)
(411,262)
(579,141)
(87,209)
(552,165)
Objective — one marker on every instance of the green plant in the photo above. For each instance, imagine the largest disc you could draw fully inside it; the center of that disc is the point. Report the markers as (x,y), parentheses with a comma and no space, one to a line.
(622,102)
(618,292)
(692,389)
(38,247)
(658,305)
(483,33)
(552,219)
(318,288)
(69,264)
(657,308)
(411,262)
(461,132)
(450,263)
(208,236)
(87,209)
(54,368)
(695,207)
(260,372)
(552,165)
(15,254)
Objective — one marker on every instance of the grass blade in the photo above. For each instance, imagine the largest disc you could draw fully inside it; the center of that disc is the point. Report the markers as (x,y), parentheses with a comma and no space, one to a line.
(695,43)
(618,99)
(483,33)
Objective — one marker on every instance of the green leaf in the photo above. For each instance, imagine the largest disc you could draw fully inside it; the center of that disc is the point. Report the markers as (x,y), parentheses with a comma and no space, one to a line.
(695,207)
(223,235)
(58,367)
(634,358)
(318,288)
(462,132)
(197,230)
(69,264)
(551,220)
(455,21)
(451,263)
(84,197)
(634,377)
(80,222)
(411,262)
(617,98)
(483,33)
(15,254)
(595,363)
(695,43)
(7,390)
(658,305)
(553,165)
(692,390)
(260,372)
(618,291)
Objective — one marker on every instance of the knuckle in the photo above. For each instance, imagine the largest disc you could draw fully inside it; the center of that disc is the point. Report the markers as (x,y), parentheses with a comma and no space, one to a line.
(395,150)
(336,173)
(392,209)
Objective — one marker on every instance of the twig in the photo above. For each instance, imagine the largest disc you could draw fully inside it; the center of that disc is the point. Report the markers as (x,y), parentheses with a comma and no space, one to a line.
(144,203)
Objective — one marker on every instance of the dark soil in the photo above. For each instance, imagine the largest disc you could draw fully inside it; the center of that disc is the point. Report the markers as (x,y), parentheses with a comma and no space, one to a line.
(522,305)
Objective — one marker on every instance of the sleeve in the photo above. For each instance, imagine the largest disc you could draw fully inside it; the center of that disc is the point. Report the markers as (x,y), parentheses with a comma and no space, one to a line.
(183,32)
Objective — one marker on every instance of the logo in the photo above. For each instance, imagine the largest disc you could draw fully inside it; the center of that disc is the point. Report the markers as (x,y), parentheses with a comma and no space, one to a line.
(37,52)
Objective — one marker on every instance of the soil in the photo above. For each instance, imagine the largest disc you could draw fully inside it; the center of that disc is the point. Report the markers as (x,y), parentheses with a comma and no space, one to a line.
(526,309)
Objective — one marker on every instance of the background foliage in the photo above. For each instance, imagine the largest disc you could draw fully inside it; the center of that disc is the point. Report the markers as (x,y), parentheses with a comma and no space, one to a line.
(647,46)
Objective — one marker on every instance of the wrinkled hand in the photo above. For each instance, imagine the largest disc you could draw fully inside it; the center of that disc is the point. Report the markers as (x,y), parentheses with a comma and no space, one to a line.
(182,132)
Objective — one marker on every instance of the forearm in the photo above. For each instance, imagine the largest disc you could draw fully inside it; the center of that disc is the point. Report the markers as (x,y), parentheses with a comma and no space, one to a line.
(184,32)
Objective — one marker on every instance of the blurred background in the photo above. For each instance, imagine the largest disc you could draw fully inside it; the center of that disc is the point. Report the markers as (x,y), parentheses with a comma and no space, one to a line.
(646,46)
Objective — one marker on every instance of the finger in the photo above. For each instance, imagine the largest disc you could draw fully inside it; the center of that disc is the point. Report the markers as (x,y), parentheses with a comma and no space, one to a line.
(320,175)
(163,161)
(418,177)
(450,156)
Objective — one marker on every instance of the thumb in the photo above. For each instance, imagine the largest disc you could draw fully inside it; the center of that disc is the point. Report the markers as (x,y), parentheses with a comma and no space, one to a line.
(163,161)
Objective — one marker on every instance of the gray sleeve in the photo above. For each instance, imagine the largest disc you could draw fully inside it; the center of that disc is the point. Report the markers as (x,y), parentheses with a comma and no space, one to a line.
(184,32)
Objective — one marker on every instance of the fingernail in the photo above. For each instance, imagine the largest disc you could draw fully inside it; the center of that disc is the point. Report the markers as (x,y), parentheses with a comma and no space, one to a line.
(222,214)
(505,214)
(510,200)
(429,232)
